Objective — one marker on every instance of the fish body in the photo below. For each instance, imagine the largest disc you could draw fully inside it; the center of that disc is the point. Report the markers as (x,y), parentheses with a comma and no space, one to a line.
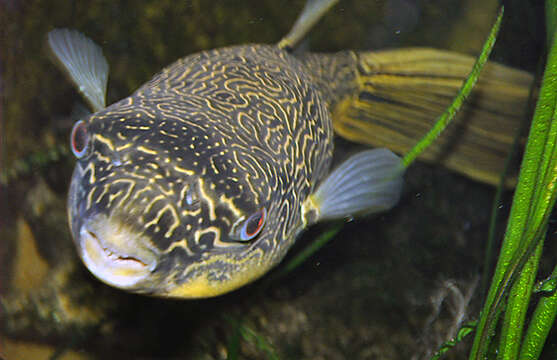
(209,141)
(201,180)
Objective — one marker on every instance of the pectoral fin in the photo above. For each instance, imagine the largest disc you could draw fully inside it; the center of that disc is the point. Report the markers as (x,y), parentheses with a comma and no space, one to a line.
(368,182)
(84,62)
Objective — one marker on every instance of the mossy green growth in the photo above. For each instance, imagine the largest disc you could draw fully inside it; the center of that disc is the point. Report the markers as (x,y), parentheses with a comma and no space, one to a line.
(242,332)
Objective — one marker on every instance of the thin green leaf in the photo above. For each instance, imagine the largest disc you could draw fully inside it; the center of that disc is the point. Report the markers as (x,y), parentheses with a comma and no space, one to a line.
(308,251)
(458,101)
(542,321)
(463,332)
(517,305)
(532,203)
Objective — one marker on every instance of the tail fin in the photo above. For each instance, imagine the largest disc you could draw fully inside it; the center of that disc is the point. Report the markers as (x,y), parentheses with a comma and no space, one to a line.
(398,94)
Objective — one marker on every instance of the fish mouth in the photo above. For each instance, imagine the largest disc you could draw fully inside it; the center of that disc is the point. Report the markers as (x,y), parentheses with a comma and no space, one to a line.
(115,255)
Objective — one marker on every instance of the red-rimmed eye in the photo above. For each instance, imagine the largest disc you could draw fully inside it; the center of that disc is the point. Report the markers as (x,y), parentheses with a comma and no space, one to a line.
(79,139)
(253,225)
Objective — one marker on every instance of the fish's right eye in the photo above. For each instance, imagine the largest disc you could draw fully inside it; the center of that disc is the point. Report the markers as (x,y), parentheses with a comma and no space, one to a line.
(79,140)
(253,225)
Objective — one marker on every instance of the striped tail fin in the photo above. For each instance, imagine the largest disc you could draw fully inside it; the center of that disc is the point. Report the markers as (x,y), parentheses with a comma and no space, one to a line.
(395,96)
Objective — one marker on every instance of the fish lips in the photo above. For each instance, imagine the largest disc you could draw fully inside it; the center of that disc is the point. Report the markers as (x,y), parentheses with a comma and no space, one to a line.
(112,250)
(115,254)
(113,265)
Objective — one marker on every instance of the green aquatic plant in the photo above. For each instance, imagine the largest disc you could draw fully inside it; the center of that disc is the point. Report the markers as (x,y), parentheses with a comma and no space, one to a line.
(512,284)
(503,330)
(33,163)
(463,332)
(242,332)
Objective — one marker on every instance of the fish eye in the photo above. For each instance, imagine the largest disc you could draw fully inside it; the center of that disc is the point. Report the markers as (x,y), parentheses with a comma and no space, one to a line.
(253,225)
(79,139)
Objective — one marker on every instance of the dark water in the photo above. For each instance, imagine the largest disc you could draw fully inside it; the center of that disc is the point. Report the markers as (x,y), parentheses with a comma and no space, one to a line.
(366,295)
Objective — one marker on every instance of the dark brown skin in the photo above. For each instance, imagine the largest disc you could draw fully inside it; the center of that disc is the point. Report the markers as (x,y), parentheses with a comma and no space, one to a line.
(182,163)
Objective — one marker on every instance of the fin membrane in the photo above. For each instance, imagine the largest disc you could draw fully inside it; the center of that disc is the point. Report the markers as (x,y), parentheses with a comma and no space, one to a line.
(312,12)
(368,182)
(84,62)
(402,92)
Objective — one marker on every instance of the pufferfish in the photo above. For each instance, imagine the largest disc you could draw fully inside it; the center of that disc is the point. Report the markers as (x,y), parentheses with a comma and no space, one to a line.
(201,180)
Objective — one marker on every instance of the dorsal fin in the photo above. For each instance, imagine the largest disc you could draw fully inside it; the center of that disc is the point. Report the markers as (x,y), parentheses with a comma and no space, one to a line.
(83,61)
(312,12)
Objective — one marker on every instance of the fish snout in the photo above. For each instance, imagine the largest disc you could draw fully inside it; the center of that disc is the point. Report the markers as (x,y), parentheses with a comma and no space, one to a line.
(116,254)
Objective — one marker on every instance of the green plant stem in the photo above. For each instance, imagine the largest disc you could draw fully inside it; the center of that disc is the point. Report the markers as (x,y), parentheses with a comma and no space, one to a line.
(538,329)
(546,309)
(496,295)
(533,200)
(463,332)
(517,305)
(495,207)
(458,101)
(308,251)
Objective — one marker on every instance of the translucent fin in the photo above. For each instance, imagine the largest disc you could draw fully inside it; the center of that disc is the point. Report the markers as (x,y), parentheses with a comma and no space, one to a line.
(368,182)
(84,62)
(79,111)
(398,94)
(313,11)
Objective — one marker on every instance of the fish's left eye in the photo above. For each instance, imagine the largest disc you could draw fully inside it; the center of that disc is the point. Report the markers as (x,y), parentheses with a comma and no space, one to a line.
(253,225)
(79,139)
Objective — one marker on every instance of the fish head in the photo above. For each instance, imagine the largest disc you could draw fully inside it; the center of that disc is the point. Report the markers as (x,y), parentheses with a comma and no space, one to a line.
(162,208)
(193,185)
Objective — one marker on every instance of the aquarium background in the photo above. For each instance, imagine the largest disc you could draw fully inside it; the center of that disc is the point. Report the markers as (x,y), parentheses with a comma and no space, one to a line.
(368,294)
